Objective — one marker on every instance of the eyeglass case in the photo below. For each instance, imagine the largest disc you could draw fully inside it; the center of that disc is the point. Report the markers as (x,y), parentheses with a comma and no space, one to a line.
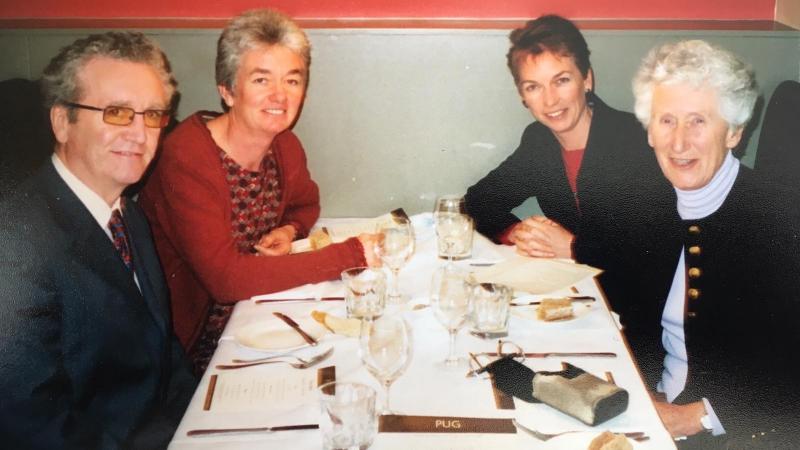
(580,394)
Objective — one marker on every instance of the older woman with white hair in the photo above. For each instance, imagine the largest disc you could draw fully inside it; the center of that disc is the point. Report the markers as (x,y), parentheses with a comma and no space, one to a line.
(231,191)
(719,297)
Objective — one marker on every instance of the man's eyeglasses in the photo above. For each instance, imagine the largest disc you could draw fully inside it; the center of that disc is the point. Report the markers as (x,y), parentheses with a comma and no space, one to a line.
(122,115)
(479,362)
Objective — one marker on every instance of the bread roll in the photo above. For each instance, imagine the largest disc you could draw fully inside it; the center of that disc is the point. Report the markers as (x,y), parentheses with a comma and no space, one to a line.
(319,239)
(339,325)
(610,441)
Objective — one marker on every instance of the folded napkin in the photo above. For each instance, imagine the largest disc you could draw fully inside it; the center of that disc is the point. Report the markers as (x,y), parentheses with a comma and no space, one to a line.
(535,275)
(572,391)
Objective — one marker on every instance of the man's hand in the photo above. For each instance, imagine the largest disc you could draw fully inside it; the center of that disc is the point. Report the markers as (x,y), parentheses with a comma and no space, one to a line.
(541,237)
(277,242)
(681,420)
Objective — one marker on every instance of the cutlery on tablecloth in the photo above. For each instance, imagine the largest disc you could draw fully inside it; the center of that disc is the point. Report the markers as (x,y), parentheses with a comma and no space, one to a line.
(298,299)
(298,363)
(555,354)
(206,432)
(296,327)
(638,436)
(574,298)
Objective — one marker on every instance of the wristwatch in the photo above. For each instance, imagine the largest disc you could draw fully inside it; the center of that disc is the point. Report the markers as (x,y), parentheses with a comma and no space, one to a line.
(705,421)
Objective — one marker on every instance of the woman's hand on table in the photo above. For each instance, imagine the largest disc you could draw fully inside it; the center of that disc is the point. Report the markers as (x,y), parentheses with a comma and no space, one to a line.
(370,243)
(541,237)
(277,242)
(681,420)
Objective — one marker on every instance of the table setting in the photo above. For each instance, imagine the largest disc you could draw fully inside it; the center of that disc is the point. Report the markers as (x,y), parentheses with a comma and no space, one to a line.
(414,355)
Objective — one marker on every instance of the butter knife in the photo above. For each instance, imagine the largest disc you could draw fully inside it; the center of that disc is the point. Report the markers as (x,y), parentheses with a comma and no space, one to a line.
(296,327)
(574,298)
(205,432)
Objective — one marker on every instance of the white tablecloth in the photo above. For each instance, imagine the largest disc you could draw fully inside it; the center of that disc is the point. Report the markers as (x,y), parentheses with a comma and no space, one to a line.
(424,389)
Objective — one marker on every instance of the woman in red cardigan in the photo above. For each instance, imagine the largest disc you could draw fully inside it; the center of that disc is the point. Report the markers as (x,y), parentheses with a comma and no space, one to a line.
(231,191)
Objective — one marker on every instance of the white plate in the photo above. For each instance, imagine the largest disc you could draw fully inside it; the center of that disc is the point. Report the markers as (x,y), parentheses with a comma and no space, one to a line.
(275,335)
(579,309)
(576,441)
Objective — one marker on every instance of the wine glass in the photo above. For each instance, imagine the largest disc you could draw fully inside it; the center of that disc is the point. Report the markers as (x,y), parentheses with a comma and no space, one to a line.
(395,249)
(450,302)
(386,344)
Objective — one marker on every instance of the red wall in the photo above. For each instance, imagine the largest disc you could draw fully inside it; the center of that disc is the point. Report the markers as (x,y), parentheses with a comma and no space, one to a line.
(498,9)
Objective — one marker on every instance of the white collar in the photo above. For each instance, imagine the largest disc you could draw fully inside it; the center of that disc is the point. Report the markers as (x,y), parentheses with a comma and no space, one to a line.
(703,202)
(97,207)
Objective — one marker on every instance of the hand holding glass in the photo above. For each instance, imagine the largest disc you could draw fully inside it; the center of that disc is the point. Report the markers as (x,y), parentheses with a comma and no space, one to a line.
(386,345)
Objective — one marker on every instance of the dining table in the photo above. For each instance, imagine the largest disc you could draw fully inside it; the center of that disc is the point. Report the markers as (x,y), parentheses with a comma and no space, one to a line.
(274,395)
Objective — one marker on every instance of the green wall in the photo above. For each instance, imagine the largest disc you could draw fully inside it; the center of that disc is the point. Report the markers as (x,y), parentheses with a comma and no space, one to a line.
(396,117)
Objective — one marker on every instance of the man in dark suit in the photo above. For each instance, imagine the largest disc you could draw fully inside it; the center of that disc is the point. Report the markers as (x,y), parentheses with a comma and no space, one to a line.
(88,356)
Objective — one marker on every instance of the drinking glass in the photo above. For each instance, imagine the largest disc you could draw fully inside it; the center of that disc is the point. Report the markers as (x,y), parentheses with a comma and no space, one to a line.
(450,303)
(386,344)
(454,235)
(365,292)
(450,204)
(395,249)
(349,419)
(490,306)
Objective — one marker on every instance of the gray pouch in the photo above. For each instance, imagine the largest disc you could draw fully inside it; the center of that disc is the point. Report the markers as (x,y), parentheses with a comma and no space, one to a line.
(580,395)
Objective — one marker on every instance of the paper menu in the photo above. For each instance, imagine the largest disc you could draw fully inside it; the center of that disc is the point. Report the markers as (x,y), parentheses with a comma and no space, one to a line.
(535,275)
(342,231)
(251,390)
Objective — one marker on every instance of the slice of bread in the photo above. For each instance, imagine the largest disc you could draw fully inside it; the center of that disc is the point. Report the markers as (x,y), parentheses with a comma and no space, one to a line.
(339,325)
(610,441)
(555,309)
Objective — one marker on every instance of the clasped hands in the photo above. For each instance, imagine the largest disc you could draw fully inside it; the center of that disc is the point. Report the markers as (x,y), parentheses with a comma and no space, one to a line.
(541,237)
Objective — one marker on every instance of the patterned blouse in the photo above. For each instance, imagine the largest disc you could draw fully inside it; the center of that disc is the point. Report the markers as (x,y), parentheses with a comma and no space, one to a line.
(255,197)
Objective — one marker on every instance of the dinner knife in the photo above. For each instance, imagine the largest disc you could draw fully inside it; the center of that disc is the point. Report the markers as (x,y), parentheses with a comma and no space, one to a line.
(296,327)
(554,354)
(298,299)
(205,432)
(574,298)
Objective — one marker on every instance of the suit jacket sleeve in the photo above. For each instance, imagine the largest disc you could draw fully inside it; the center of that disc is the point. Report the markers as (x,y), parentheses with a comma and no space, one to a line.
(37,410)
(490,200)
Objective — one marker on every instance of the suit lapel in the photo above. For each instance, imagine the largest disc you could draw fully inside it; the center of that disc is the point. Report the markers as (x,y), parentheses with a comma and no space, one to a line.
(89,245)
(146,264)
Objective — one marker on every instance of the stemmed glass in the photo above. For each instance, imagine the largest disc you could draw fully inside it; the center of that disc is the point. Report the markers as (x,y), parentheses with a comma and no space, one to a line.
(395,249)
(454,228)
(386,344)
(450,302)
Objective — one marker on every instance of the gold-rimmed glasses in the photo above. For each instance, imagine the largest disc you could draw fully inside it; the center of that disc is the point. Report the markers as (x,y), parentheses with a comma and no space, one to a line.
(479,362)
(123,115)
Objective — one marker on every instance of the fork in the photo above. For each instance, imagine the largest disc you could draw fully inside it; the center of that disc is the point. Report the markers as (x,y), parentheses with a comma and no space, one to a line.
(638,436)
(298,363)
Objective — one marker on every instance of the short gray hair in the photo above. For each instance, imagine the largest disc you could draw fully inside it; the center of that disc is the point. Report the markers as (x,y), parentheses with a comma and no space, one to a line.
(700,64)
(252,28)
(60,79)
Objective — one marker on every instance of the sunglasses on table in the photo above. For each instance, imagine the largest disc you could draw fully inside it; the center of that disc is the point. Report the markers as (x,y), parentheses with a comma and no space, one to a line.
(123,115)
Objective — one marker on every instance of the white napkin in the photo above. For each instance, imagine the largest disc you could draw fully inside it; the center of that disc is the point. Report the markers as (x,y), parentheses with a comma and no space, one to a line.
(535,275)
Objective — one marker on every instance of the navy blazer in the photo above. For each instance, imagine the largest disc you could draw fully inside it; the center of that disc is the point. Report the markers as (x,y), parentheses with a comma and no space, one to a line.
(740,324)
(88,360)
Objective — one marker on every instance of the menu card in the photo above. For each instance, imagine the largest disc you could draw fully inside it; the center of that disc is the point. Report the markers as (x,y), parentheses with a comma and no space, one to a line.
(250,390)
(535,275)
(342,231)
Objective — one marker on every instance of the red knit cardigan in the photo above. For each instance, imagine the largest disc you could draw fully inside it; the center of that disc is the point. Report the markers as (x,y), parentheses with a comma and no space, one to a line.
(187,201)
